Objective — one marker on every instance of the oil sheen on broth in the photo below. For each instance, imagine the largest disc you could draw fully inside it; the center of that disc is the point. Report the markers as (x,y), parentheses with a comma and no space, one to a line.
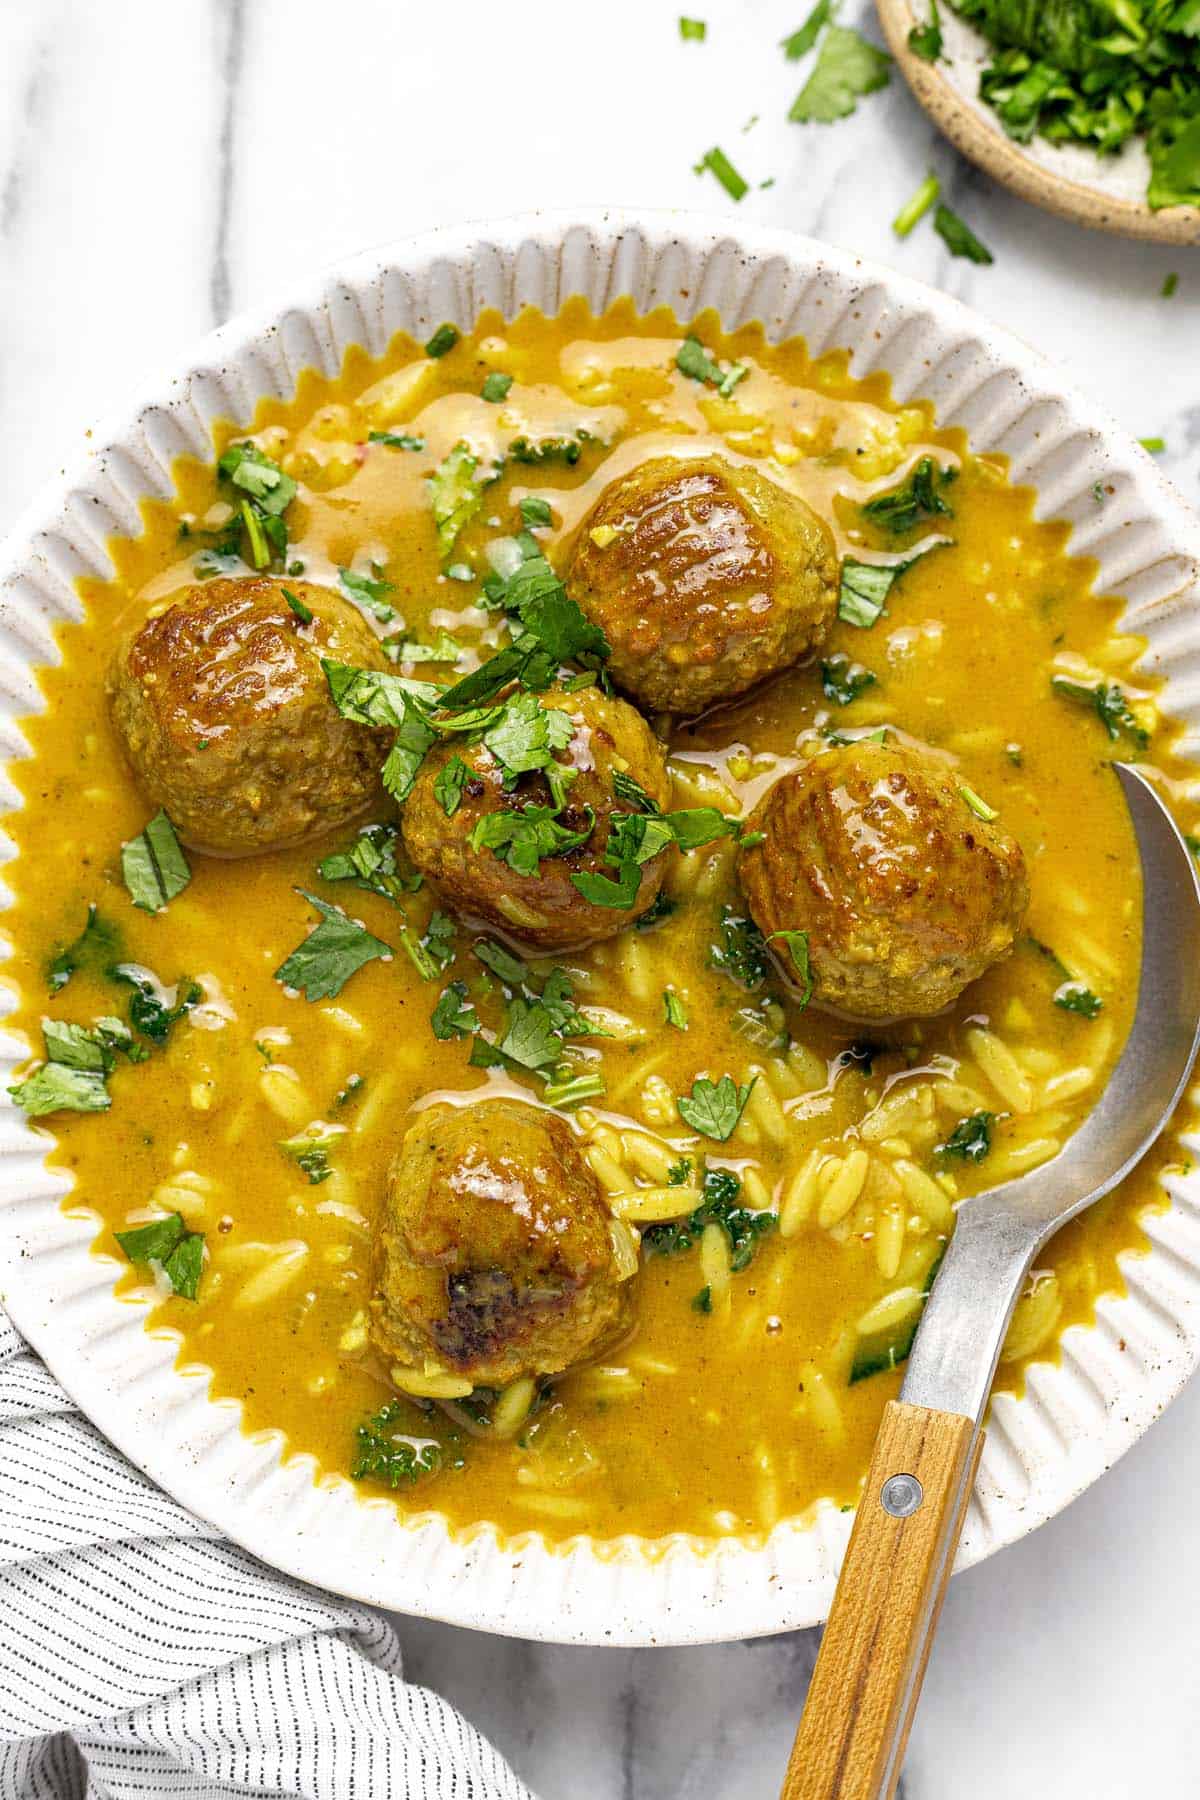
(742,1394)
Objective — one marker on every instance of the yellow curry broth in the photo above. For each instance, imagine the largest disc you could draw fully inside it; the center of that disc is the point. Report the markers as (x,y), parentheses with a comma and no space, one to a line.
(704,1421)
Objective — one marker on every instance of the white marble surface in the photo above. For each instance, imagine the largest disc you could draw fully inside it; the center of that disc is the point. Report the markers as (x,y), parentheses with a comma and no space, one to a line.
(163,165)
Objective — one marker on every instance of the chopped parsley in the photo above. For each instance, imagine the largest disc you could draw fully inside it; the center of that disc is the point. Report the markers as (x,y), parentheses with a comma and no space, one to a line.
(495,387)
(536,511)
(843,680)
(971,1138)
(501,962)
(694,361)
(167,1244)
(310,1150)
(443,339)
(449,783)
(154,866)
(713,1108)
(797,947)
(96,949)
(153,1008)
(848,66)
(370,862)
(1110,705)
(1075,997)
(522,838)
(321,966)
(742,951)
(62,1086)
(444,649)
(958,237)
(735,185)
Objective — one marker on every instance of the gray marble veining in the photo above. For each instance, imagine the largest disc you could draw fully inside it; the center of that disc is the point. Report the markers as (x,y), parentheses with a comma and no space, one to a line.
(164,166)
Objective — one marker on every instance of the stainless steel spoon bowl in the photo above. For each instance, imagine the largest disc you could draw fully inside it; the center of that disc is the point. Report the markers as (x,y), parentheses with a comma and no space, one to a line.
(868,1676)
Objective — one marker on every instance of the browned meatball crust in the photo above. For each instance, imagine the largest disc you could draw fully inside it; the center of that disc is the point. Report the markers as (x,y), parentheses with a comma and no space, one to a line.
(544,909)
(906,895)
(224,711)
(494,1257)
(705,576)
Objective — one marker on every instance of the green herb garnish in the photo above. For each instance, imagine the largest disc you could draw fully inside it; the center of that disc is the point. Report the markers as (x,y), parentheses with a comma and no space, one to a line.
(321,966)
(958,237)
(971,1138)
(801,42)
(495,387)
(848,67)
(167,1244)
(742,1227)
(914,210)
(735,185)
(692,31)
(382,1451)
(1109,704)
(443,339)
(674,1011)
(925,40)
(919,498)
(842,680)
(713,1108)
(154,866)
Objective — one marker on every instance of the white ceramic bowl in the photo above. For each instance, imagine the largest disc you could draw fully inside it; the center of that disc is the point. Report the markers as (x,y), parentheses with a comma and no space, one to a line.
(1078,1415)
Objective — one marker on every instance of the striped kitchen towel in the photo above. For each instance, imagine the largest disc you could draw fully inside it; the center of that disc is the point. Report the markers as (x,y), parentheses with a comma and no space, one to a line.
(142,1655)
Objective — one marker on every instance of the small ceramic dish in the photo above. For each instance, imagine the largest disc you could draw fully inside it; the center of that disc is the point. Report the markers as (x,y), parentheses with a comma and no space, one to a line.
(1080,1412)
(1105,192)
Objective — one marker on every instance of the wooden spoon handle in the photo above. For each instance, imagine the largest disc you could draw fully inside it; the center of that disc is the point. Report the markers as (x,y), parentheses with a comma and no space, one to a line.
(850,1744)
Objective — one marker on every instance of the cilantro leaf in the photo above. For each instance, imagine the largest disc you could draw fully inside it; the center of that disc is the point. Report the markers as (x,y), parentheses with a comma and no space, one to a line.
(529,1036)
(495,957)
(742,951)
(847,67)
(443,339)
(674,1011)
(842,680)
(536,511)
(522,839)
(370,862)
(455,494)
(396,440)
(735,185)
(797,946)
(169,1245)
(1074,997)
(57,1087)
(601,890)
(925,40)
(454,1016)
(863,591)
(713,1108)
(958,237)
(75,1047)
(321,966)
(444,649)
(96,948)
(449,783)
(495,387)
(742,1227)
(1110,704)
(263,493)
(154,866)
(370,591)
(384,1453)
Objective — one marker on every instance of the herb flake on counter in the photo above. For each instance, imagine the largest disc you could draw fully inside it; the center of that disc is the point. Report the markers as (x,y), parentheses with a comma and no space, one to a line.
(693,31)
(715,160)
(714,1108)
(385,1453)
(958,237)
(321,966)
(848,67)
(801,42)
(167,1244)
(442,341)
(1169,286)
(153,865)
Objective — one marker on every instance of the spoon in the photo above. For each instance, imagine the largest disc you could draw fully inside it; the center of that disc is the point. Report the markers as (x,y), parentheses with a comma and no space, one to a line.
(864,1691)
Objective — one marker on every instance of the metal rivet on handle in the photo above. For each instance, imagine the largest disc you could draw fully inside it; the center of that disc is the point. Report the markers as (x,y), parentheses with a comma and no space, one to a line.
(901,1495)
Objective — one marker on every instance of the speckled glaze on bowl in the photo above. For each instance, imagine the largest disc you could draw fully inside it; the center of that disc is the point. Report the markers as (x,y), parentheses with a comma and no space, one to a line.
(1107,193)
(1079,1414)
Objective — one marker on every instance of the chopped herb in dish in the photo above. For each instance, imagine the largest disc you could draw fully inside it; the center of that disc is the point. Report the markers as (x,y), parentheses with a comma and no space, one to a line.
(154,866)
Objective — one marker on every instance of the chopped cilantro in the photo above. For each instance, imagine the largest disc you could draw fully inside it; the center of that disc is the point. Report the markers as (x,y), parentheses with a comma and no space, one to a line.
(571,1090)
(742,951)
(550,449)
(1153,446)
(302,612)
(843,680)
(1074,997)
(521,839)
(153,1008)
(167,1244)
(382,1450)
(919,498)
(444,649)
(370,862)
(848,66)
(692,31)
(978,806)
(1170,285)
(310,1150)
(722,1189)
(321,966)
(925,40)
(971,1138)
(500,961)
(702,1302)
(154,866)
(443,339)
(449,783)
(370,591)
(454,1016)
(674,1011)
(797,947)
(1110,704)
(96,948)
(455,494)
(714,1108)
(495,387)
(264,494)
(396,440)
(59,1087)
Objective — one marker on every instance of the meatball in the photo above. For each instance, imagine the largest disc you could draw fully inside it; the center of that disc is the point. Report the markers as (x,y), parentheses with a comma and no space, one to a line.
(495,1258)
(224,712)
(906,894)
(543,909)
(705,576)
